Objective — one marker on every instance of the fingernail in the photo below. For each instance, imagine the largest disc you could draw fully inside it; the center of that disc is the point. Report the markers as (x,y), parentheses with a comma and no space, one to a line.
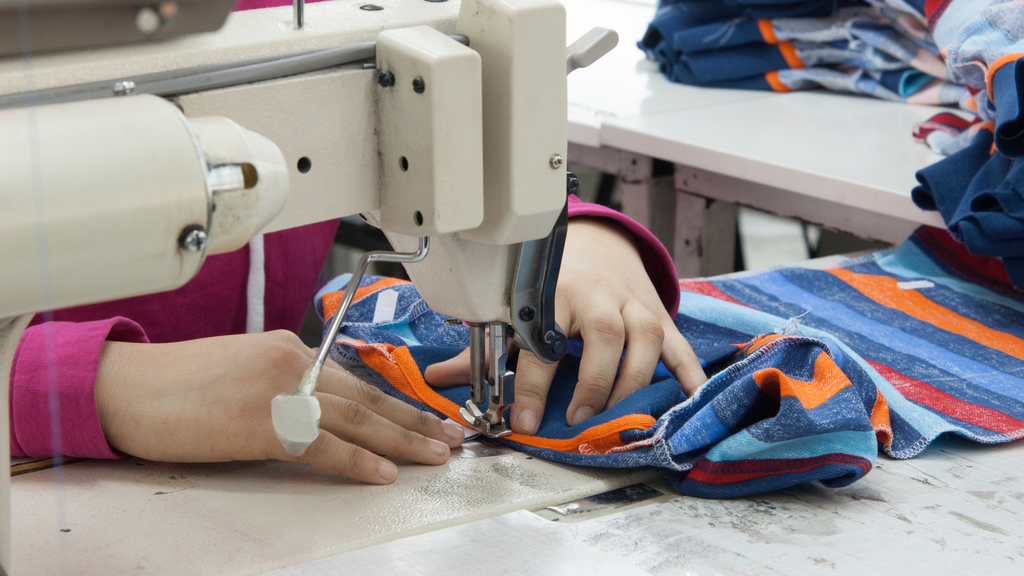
(387,470)
(528,421)
(455,431)
(582,413)
(439,448)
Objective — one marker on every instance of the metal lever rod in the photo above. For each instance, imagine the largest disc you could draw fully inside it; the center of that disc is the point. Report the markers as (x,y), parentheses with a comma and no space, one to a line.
(308,384)
(299,13)
(296,416)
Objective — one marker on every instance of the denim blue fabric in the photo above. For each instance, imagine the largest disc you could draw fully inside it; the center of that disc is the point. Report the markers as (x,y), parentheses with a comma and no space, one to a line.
(810,371)
(978,193)
(848,46)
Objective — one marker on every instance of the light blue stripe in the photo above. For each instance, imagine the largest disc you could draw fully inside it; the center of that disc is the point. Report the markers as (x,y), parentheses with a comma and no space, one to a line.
(743,446)
(895,339)
(702,429)
(961,14)
(713,310)
(909,261)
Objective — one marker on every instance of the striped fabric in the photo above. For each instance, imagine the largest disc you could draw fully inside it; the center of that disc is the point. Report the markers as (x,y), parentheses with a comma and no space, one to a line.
(811,371)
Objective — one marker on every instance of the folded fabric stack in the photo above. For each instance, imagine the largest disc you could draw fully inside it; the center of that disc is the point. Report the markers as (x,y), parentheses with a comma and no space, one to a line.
(811,371)
(978,187)
(883,49)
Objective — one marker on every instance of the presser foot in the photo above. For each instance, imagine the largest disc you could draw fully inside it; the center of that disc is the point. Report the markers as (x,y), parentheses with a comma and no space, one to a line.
(490,424)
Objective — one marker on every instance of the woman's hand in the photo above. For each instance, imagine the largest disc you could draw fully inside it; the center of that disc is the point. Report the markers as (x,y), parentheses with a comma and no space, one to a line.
(605,296)
(208,400)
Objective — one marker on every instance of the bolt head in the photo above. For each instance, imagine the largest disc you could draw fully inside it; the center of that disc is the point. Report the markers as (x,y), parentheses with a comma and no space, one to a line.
(193,239)
(418,85)
(572,183)
(385,79)
(527,313)
(556,161)
(124,88)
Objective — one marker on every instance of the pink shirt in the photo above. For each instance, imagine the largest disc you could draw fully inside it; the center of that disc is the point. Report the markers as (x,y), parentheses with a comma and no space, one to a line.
(54,369)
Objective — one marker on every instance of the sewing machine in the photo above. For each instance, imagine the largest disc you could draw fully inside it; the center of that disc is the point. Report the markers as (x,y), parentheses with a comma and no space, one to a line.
(444,124)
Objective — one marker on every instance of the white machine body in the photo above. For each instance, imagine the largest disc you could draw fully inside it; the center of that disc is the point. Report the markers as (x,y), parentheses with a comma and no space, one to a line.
(109,198)
(96,196)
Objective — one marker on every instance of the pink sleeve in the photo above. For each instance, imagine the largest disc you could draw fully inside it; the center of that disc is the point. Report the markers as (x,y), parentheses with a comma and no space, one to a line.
(62,357)
(253,4)
(655,257)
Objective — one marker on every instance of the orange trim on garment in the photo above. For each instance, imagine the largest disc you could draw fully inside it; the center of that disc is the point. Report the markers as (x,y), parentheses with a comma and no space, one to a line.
(880,420)
(999,63)
(332,300)
(828,380)
(776,84)
(767,32)
(990,126)
(992,149)
(405,375)
(885,291)
(759,341)
(789,53)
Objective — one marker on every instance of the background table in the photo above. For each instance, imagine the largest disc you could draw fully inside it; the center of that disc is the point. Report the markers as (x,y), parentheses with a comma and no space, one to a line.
(845,162)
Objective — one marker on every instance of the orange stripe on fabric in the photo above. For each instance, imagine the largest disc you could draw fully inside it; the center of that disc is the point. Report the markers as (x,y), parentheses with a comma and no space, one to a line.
(332,300)
(789,53)
(999,63)
(767,32)
(992,149)
(760,341)
(885,291)
(880,421)
(405,375)
(828,380)
(773,80)
(990,126)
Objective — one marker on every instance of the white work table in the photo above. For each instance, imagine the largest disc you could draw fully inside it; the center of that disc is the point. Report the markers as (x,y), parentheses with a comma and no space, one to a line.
(846,162)
(956,508)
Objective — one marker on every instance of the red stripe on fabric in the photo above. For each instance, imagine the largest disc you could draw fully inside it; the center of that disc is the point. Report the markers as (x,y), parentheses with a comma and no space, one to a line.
(930,396)
(711,472)
(988,272)
(933,10)
(707,289)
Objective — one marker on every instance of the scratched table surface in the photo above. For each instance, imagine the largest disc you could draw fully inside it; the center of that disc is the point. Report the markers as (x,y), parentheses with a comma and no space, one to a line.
(958,508)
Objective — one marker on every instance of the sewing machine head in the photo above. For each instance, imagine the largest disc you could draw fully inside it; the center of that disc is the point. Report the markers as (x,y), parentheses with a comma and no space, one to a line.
(459,147)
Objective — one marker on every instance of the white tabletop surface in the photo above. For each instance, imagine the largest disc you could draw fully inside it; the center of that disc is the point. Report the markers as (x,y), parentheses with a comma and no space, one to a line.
(955,509)
(851,150)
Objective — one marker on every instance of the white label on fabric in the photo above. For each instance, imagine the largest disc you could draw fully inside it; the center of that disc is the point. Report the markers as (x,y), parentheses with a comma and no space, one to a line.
(909,285)
(387,300)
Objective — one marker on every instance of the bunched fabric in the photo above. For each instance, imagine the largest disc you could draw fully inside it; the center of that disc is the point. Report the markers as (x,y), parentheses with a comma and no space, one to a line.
(811,371)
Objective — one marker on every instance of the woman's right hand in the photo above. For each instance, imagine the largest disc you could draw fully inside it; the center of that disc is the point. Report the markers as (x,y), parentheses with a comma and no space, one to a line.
(208,400)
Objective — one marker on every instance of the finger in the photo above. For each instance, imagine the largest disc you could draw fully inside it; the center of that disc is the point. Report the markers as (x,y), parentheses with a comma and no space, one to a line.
(338,457)
(644,340)
(603,335)
(680,360)
(339,383)
(451,372)
(533,379)
(353,422)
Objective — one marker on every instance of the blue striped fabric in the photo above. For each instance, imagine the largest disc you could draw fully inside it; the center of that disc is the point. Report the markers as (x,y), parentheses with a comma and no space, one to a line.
(810,371)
